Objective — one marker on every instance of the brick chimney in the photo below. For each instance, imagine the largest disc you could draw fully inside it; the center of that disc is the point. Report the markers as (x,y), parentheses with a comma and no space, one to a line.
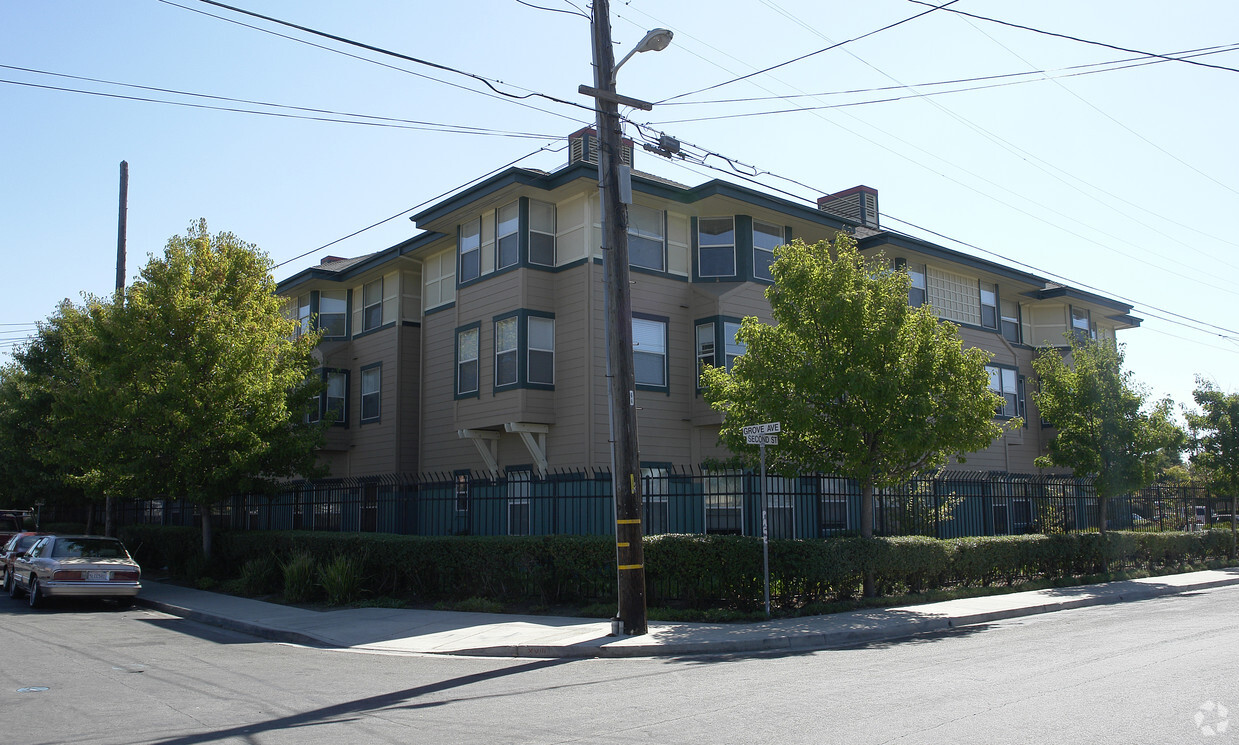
(583,147)
(860,204)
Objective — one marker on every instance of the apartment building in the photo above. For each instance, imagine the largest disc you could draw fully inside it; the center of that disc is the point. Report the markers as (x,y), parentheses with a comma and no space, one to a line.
(479,343)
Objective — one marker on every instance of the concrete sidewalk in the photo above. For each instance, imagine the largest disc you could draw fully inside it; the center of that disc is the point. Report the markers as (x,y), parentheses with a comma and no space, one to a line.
(486,634)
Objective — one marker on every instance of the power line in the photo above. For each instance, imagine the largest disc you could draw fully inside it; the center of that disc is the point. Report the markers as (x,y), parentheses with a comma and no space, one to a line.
(488,82)
(997,186)
(545,148)
(804,56)
(1131,131)
(378,120)
(1127,300)
(991,195)
(1073,38)
(1111,66)
(445,128)
(1185,322)
(574,12)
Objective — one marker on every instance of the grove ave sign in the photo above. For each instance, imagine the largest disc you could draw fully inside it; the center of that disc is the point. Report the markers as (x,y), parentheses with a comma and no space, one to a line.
(762,434)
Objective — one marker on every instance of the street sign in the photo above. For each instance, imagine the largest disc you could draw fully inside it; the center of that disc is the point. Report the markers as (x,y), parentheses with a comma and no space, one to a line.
(761,439)
(762,429)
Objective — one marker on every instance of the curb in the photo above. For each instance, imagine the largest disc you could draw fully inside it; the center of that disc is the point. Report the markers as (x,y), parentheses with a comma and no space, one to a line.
(803,642)
(232,624)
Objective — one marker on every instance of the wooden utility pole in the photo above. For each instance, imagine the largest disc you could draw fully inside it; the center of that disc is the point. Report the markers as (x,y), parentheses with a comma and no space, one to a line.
(122,222)
(122,226)
(626,468)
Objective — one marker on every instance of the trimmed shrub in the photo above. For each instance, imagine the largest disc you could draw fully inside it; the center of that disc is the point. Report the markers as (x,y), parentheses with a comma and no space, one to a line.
(682,571)
(156,547)
(299,574)
(260,576)
(341,579)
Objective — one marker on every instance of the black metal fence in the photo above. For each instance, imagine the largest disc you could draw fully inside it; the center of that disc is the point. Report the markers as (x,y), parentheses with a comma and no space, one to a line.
(948,505)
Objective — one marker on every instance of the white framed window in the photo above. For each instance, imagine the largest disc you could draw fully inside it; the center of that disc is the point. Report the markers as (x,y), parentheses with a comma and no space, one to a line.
(733,348)
(467,361)
(372,305)
(649,352)
(646,238)
(507,351)
(1010,317)
(336,396)
(541,233)
(333,312)
(655,494)
(989,305)
(519,513)
(781,507)
(371,392)
(724,502)
(438,280)
(916,292)
(766,238)
(705,347)
(507,230)
(304,316)
(1005,382)
(470,250)
(541,352)
(1081,323)
(716,247)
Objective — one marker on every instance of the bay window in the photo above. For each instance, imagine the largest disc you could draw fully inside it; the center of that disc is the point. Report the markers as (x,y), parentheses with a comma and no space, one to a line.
(716,247)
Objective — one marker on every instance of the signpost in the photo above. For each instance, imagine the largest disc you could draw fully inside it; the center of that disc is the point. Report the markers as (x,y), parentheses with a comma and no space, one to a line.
(763,435)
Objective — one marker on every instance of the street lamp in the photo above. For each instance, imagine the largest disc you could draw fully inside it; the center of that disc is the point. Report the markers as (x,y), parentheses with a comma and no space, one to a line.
(655,40)
(626,463)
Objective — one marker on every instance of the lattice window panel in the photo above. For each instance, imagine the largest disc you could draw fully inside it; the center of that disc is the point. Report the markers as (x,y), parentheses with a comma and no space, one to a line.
(954,296)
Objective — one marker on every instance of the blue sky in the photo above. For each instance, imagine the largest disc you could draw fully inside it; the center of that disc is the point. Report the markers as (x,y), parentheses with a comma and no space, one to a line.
(1124,181)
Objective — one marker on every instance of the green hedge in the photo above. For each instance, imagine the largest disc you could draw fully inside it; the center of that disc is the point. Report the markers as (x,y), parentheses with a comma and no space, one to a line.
(698,571)
(545,569)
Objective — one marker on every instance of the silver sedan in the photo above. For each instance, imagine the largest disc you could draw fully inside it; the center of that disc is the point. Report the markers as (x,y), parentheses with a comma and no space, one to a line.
(75,566)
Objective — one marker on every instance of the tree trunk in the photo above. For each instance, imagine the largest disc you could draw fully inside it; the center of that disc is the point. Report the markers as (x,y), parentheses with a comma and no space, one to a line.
(866,531)
(206,531)
(1101,513)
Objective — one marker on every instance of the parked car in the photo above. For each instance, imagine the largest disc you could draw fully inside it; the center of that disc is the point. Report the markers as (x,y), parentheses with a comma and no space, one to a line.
(14,547)
(75,566)
(11,522)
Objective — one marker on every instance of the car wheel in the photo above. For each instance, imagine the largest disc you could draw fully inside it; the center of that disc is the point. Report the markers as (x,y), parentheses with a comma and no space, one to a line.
(34,596)
(15,591)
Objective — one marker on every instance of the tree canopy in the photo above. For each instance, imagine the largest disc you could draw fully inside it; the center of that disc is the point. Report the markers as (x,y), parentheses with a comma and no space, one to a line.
(864,385)
(1104,430)
(1215,440)
(192,385)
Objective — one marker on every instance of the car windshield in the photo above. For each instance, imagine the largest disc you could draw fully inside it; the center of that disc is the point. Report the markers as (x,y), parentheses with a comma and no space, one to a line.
(88,548)
(26,542)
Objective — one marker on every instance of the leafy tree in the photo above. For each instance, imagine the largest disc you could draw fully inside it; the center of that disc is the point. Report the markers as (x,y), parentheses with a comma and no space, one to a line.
(1215,442)
(863,385)
(1104,429)
(221,384)
(60,392)
(24,479)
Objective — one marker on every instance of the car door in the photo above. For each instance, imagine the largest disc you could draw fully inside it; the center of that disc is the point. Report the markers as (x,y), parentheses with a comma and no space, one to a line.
(26,563)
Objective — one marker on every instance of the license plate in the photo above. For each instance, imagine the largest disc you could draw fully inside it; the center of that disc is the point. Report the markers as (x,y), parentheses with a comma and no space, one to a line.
(97,576)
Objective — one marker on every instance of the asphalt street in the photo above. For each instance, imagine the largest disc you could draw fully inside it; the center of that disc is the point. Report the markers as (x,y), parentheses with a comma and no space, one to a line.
(1154,671)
